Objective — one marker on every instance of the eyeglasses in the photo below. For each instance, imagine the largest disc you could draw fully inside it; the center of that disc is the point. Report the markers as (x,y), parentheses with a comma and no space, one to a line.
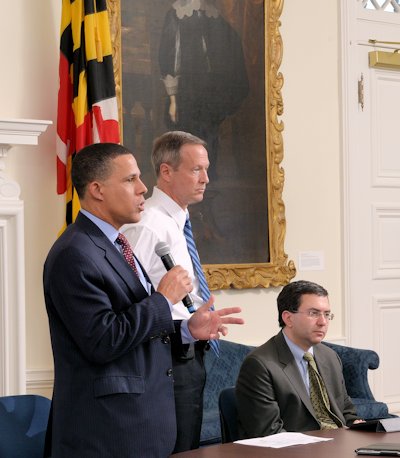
(315,314)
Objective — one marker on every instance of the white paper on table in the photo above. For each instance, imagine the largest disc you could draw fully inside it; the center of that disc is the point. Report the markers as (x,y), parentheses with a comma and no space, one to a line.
(283,440)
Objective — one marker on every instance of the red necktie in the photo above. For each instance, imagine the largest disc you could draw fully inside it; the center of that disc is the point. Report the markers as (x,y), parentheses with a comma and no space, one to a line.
(127,252)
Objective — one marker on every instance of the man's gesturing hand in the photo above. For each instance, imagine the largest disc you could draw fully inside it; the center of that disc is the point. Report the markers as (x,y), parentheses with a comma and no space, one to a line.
(206,324)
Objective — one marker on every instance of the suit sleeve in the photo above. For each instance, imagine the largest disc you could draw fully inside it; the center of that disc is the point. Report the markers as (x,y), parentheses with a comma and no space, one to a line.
(331,369)
(258,410)
(102,315)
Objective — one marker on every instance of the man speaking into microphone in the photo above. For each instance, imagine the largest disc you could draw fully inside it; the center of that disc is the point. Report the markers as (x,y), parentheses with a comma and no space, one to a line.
(180,161)
(110,329)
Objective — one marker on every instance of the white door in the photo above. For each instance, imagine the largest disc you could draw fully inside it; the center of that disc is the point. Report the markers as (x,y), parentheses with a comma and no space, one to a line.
(371,132)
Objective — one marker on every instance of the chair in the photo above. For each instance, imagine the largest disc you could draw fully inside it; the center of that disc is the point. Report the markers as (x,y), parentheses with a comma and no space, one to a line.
(23,423)
(228,415)
(356,363)
(222,373)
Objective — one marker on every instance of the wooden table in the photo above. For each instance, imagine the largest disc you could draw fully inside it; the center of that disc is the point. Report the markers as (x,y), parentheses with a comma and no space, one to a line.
(344,443)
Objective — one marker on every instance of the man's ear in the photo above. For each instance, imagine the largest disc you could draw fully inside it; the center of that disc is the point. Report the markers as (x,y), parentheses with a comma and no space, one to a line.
(165,172)
(287,318)
(95,190)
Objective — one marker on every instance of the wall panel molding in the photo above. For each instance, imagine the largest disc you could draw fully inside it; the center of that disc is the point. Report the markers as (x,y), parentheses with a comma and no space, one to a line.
(12,298)
(12,258)
(386,230)
(386,312)
(39,379)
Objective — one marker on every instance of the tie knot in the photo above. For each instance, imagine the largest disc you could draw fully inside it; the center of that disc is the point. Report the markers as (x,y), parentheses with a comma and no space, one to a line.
(308,357)
(122,240)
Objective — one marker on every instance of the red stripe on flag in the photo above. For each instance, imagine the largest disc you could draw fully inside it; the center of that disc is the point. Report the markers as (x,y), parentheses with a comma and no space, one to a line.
(61,177)
(108,130)
(65,123)
(64,100)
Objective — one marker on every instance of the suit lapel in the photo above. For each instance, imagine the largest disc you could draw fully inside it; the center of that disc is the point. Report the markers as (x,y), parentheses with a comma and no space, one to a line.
(145,274)
(323,365)
(325,369)
(123,269)
(113,256)
(292,371)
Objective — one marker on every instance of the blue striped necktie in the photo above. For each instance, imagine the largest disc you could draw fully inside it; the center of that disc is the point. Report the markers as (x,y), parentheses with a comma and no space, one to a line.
(203,286)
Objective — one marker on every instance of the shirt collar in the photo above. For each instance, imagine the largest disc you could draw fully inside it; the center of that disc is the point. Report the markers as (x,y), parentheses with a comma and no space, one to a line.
(297,352)
(172,208)
(108,230)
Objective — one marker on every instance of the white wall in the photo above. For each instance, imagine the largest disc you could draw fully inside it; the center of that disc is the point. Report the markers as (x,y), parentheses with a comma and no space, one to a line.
(312,163)
(29,40)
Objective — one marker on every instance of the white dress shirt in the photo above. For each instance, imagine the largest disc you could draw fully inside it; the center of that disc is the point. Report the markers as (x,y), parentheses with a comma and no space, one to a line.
(163,220)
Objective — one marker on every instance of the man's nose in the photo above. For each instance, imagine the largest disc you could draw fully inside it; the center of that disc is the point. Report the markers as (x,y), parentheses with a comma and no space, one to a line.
(204,177)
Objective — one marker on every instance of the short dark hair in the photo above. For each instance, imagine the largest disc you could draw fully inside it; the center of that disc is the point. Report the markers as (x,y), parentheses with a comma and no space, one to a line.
(93,163)
(167,148)
(290,296)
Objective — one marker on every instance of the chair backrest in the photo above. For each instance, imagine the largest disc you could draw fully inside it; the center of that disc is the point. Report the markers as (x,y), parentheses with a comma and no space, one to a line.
(356,363)
(222,373)
(228,415)
(23,424)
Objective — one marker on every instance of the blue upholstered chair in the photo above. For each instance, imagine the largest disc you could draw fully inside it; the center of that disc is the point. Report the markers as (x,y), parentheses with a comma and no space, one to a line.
(228,415)
(23,423)
(222,373)
(356,363)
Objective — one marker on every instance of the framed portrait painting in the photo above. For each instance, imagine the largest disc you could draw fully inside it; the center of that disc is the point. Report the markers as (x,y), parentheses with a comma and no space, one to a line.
(211,68)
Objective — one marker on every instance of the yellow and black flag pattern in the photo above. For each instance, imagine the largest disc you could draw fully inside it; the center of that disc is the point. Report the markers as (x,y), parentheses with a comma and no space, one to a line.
(87,105)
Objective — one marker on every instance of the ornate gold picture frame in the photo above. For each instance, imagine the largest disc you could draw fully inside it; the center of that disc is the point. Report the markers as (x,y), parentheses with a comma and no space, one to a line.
(241,225)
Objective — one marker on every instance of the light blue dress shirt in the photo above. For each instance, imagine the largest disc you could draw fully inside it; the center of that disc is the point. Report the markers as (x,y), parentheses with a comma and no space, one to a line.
(302,364)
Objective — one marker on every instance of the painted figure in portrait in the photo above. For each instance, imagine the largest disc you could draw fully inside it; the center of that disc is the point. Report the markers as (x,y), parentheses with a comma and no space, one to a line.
(199,66)
(203,70)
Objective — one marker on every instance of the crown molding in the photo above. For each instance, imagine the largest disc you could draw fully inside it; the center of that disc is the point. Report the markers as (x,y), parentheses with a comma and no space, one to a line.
(21,131)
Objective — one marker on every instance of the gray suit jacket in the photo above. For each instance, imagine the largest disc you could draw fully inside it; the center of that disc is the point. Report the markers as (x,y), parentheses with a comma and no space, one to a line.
(271,395)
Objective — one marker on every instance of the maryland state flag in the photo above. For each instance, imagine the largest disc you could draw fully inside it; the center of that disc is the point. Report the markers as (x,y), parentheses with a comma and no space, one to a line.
(87,105)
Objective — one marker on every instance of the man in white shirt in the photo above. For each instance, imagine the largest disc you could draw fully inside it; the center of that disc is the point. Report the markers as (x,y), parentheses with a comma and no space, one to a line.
(180,161)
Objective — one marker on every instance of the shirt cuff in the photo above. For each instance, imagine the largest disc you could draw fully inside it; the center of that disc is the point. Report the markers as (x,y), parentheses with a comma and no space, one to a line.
(185,333)
(186,337)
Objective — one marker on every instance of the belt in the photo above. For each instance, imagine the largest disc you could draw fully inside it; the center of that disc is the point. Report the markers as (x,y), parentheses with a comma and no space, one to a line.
(202,345)
(187,351)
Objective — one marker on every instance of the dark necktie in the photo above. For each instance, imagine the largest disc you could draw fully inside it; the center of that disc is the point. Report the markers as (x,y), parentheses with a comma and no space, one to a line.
(319,396)
(127,252)
(203,286)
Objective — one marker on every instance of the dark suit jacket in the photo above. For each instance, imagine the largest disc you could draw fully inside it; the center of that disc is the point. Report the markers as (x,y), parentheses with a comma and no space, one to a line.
(272,397)
(113,393)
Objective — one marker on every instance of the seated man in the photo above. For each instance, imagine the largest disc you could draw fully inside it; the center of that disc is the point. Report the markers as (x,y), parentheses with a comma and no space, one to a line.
(279,387)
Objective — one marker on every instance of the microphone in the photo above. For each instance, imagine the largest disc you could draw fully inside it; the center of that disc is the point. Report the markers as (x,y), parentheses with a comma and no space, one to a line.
(163,250)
